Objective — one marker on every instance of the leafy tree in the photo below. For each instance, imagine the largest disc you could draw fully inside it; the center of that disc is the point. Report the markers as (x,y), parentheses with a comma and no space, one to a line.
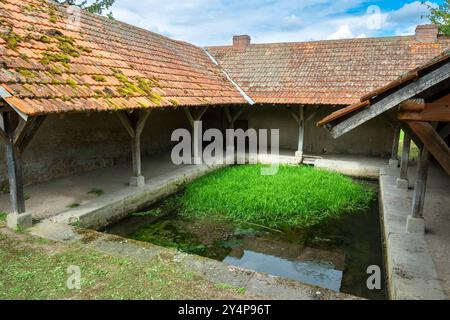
(93,6)
(440,15)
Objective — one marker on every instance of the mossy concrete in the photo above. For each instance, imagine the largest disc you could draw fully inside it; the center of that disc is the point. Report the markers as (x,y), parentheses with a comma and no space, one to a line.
(259,284)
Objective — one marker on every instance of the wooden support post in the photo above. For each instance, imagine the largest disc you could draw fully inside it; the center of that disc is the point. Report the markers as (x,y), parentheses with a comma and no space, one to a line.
(421,184)
(233,118)
(415,222)
(402,181)
(393,161)
(14,164)
(301,134)
(300,119)
(134,126)
(196,126)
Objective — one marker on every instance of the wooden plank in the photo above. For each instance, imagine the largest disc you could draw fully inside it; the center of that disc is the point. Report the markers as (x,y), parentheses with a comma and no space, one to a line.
(391,101)
(390,86)
(405,157)
(432,142)
(342,112)
(412,105)
(421,184)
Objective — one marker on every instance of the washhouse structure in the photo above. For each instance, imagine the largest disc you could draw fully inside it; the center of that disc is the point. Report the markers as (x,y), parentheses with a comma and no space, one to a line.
(78,89)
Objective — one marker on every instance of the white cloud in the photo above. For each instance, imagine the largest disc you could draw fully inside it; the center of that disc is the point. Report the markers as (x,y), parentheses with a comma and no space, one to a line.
(343,32)
(214,22)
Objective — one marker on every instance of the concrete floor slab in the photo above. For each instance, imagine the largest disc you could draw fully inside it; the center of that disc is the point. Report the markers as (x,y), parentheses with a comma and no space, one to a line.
(411,258)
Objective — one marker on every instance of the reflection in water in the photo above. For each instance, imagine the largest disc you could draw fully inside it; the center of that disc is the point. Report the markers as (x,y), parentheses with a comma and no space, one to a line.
(334,255)
(317,273)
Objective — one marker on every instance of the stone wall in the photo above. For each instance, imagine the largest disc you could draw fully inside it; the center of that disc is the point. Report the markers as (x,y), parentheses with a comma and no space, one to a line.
(73,143)
(373,138)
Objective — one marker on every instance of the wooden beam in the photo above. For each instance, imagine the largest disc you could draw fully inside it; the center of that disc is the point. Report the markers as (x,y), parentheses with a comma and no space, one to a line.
(24,133)
(189,116)
(14,165)
(228,114)
(142,120)
(392,100)
(395,143)
(418,110)
(233,118)
(421,184)
(294,115)
(134,126)
(126,121)
(432,142)
(405,157)
(201,113)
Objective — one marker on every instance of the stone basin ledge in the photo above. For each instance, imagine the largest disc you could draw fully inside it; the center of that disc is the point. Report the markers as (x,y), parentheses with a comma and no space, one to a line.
(258,284)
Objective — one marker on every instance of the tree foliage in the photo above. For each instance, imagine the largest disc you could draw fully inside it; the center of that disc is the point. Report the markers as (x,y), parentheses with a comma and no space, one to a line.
(93,6)
(440,15)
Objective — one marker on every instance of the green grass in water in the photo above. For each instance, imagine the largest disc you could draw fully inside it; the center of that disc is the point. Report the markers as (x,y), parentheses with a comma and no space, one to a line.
(296,197)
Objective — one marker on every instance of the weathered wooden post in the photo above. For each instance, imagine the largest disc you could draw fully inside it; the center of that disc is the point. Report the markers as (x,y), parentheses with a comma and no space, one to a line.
(301,134)
(18,217)
(415,222)
(402,181)
(300,119)
(393,161)
(134,126)
(196,127)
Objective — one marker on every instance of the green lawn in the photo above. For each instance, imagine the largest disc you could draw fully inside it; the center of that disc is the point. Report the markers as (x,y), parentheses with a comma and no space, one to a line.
(33,268)
(298,196)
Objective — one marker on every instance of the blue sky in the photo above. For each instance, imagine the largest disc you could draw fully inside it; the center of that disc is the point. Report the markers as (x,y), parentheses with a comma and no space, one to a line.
(214,22)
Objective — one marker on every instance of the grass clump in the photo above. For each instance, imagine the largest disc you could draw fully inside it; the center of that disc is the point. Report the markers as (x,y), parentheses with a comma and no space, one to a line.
(296,197)
(3,216)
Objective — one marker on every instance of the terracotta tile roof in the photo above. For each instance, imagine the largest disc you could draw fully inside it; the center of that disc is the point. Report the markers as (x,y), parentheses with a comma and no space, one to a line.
(336,72)
(403,80)
(50,66)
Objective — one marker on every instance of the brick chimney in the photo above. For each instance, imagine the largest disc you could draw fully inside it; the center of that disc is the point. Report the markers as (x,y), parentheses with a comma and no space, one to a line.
(427,33)
(241,42)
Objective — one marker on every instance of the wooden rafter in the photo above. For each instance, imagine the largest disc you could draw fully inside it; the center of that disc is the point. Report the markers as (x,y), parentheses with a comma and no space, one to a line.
(432,142)
(192,118)
(419,110)
(392,100)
